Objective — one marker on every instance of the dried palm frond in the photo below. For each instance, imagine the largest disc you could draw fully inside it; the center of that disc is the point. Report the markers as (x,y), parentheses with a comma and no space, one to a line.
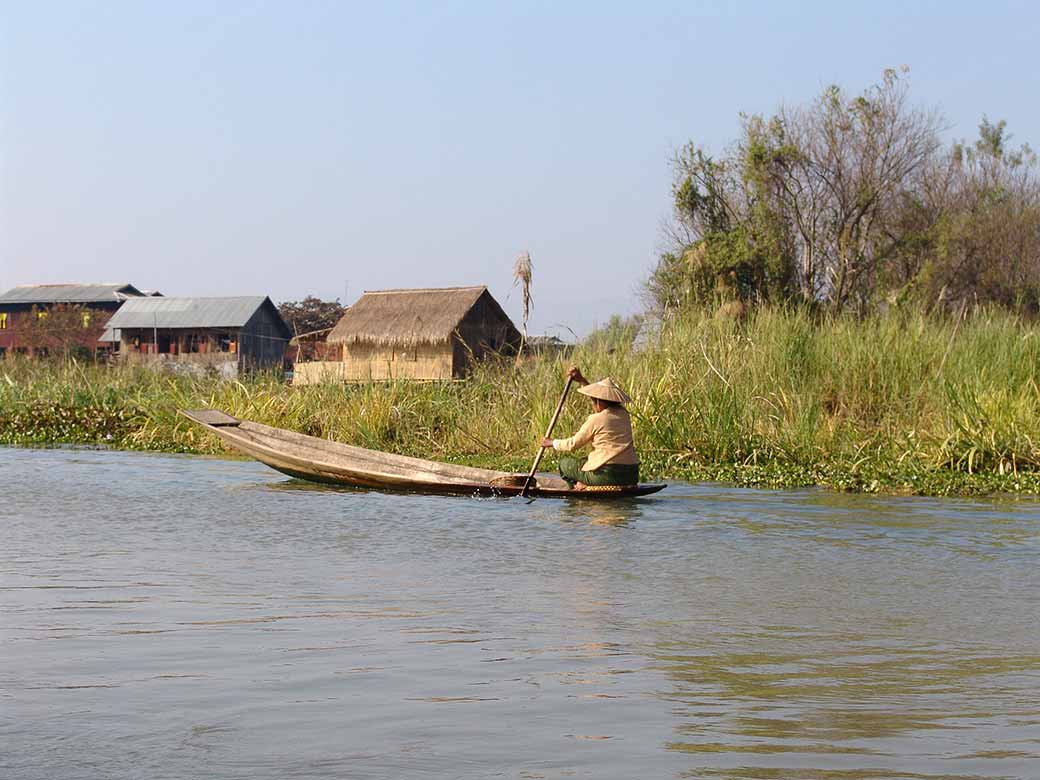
(522,272)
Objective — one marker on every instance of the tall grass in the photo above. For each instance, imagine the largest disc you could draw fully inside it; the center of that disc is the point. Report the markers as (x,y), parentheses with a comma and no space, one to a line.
(902,402)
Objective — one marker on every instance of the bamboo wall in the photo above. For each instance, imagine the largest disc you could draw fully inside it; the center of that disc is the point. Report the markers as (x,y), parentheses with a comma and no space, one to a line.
(363,363)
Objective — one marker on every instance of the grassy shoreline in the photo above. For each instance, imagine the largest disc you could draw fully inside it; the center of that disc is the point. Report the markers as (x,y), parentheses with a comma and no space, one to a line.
(900,403)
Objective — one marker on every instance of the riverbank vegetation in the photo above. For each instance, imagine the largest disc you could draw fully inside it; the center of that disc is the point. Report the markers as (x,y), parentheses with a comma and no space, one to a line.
(904,402)
(845,300)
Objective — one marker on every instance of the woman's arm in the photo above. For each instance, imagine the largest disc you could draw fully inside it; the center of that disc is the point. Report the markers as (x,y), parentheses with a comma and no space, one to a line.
(578,440)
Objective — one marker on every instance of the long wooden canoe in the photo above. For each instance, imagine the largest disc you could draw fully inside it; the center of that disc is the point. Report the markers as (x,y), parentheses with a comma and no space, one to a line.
(319,460)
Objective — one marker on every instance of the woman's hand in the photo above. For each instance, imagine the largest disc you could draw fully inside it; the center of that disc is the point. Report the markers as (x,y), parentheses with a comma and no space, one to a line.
(547,444)
(575,373)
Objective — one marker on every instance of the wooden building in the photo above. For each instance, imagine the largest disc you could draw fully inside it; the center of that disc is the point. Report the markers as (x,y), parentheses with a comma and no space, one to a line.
(413,334)
(226,335)
(41,319)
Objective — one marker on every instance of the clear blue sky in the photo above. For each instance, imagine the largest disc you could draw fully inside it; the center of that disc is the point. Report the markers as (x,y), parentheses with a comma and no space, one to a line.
(290,148)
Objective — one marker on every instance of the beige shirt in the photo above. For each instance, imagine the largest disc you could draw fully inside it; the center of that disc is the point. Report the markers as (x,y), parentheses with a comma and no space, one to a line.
(609,432)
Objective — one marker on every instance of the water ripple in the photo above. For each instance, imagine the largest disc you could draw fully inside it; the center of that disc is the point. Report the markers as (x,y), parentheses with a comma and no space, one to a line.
(179,617)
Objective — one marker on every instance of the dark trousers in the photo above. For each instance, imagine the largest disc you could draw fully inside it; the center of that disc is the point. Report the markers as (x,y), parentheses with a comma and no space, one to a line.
(607,474)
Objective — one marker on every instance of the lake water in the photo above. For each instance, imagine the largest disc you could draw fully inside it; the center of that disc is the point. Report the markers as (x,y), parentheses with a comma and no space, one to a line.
(176,617)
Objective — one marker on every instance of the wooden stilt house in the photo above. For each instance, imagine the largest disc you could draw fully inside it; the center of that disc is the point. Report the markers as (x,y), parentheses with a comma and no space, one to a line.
(226,335)
(41,319)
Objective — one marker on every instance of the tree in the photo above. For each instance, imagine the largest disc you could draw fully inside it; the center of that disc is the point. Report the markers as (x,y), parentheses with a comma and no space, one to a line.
(804,205)
(618,334)
(310,320)
(985,236)
(724,236)
(311,314)
(846,179)
(61,329)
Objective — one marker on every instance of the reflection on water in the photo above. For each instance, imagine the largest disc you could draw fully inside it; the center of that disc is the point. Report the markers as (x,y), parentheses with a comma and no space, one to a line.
(597,512)
(181,617)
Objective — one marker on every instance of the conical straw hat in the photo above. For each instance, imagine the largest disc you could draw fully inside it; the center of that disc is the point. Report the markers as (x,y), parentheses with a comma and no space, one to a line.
(605,390)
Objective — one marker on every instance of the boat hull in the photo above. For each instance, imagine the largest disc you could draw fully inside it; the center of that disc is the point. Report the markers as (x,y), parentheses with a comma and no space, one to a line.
(331,463)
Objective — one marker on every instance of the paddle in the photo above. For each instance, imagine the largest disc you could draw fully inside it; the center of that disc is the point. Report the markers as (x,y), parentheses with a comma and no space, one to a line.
(548,433)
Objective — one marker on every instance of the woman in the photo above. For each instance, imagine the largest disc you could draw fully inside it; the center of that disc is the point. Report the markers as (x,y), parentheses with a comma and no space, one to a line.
(613,459)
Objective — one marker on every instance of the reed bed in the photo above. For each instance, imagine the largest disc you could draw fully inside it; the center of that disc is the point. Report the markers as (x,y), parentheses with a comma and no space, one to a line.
(901,402)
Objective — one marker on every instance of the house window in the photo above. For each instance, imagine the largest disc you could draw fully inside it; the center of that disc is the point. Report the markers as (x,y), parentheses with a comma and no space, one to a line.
(86,319)
(3,320)
(42,314)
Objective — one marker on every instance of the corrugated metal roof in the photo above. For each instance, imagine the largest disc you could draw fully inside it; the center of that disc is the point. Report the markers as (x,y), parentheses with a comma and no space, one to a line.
(186,312)
(69,293)
(109,335)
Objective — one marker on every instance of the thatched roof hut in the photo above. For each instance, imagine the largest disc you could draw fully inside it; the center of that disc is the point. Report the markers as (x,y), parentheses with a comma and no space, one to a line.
(421,334)
(410,317)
